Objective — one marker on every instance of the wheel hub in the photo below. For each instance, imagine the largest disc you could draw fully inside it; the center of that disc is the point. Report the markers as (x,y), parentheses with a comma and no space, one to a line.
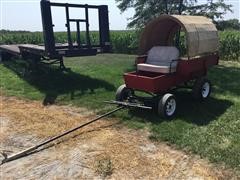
(170,107)
(205,89)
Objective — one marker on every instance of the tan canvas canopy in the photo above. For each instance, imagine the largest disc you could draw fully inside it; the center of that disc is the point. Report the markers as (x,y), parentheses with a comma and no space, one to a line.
(201,34)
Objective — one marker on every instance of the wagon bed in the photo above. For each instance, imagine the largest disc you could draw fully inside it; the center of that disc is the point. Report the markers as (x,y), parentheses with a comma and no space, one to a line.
(159,82)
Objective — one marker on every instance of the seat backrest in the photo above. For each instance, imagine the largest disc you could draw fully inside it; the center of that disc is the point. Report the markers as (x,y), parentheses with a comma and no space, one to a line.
(162,55)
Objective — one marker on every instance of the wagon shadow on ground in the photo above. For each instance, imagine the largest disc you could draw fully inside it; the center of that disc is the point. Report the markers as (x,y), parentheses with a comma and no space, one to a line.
(199,113)
(226,79)
(53,82)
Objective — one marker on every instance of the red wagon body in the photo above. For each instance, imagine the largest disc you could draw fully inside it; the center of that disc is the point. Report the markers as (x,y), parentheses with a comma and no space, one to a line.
(158,82)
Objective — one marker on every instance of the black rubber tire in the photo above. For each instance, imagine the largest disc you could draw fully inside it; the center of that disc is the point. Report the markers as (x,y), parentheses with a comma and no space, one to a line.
(163,103)
(5,56)
(1,57)
(123,93)
(197,91)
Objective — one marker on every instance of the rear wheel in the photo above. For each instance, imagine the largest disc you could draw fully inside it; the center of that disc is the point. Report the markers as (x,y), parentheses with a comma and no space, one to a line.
(167,106)
(123,93)
(201,89)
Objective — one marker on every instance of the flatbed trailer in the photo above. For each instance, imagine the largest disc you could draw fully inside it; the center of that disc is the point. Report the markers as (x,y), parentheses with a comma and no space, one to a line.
(51,50)
(10,49)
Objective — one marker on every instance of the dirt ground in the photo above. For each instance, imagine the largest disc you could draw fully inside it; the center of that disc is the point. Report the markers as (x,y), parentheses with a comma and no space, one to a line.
(105,149)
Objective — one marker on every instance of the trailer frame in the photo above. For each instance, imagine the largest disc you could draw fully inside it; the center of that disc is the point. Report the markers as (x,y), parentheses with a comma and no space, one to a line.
(51,50)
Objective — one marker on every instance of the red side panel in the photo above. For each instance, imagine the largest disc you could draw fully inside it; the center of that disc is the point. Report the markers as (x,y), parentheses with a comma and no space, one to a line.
(156,83)
(211,61)
(197,66)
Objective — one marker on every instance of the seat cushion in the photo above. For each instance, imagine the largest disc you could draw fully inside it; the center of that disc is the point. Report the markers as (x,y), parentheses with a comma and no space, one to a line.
(156,68)
(159,60)
(162,55)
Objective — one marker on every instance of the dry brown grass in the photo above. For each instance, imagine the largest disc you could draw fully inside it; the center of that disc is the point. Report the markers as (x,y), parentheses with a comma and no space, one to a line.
(43,121)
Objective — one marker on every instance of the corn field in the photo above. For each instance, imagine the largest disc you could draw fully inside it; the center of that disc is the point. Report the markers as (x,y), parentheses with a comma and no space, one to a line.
(124,41)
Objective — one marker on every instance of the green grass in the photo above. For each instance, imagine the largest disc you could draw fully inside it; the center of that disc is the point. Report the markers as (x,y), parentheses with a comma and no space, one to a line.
(210,129)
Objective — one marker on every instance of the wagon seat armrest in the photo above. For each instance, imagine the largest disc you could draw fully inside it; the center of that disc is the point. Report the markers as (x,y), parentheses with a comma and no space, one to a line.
(140,59)
(171,63)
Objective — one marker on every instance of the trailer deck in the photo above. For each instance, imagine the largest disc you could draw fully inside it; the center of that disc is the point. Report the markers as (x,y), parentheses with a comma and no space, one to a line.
(11,49)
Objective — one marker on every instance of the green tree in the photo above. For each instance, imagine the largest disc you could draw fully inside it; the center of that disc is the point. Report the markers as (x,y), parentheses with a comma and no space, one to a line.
(145,10)
(228,24)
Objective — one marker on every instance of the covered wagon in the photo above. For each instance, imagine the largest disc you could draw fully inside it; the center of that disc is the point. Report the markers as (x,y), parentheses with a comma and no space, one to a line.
(161,66)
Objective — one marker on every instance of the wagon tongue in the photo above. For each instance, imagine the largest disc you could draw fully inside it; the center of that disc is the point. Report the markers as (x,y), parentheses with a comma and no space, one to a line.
(128,104)
(33,149)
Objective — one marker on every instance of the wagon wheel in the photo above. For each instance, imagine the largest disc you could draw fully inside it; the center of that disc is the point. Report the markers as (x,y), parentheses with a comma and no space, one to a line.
(201,89)
(123,93)
(167,106)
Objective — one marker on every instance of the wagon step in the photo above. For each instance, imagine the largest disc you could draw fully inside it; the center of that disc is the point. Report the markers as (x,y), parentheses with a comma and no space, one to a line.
(128,104)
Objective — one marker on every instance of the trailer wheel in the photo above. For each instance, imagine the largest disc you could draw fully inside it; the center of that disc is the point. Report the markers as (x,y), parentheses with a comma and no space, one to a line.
(167,106)
(1,57)
(5,56)
(201,89)
(123,93)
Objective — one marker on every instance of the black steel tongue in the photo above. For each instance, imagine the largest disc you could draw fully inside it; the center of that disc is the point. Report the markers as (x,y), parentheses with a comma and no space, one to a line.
(3,157)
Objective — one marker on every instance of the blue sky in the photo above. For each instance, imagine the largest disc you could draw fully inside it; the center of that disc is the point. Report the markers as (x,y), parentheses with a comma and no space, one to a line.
(25,14)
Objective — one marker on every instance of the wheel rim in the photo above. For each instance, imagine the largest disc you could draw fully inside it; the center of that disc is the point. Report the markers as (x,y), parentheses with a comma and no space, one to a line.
(170,107)
(205,89)
(126,94)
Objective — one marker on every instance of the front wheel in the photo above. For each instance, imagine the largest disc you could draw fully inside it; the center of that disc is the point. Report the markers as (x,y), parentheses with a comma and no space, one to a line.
(202,89)
(123,93)
(167,106)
